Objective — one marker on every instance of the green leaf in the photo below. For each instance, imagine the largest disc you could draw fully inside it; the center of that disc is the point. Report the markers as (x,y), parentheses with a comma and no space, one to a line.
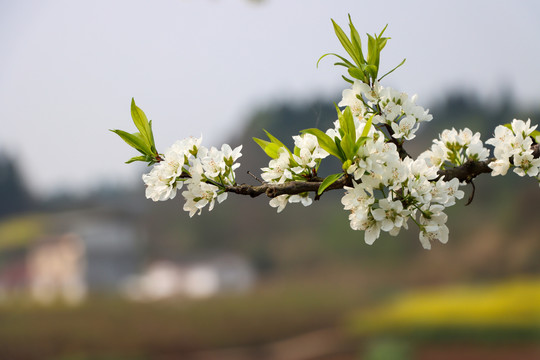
(152,143)
(368,126)
(382,40)
(341,64)
(341,153)
(346,43)
(325,141)
(381,43)
(536,136)
(349,64)
(357,74)
(355,39)
(329,180)
(383,30)
(347,79)
(274,140)
(348,122)
(348,132)
(361,141)
(346,165)
(391,71)
(142,123)
(271,149)
(338,110)
(135,141)
(347,145)
(372,71)
(372,49)
(137,158)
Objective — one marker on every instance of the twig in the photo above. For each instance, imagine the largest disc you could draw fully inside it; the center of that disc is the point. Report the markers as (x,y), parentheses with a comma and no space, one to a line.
(255,177)
(471,197)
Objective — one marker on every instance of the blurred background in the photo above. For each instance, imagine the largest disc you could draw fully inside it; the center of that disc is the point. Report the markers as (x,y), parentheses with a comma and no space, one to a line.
(90,269)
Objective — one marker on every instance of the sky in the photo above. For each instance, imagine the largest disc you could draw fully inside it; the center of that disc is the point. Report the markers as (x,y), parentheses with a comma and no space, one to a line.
(68,69)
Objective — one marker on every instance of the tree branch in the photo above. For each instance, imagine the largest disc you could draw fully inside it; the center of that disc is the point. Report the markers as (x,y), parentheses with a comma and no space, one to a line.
(466,172)
(472,169)
(289,188)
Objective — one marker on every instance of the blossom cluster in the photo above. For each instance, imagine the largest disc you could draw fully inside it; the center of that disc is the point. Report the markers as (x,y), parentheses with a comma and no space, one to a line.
(296,166)
(387,190)
(389,106)
(455,148)
(205,172)
(513,147)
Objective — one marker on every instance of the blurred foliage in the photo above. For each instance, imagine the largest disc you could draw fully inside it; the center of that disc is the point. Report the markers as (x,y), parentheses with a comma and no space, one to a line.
(13,192)
(507,310)
(388,350)
(125,330)
(20,232)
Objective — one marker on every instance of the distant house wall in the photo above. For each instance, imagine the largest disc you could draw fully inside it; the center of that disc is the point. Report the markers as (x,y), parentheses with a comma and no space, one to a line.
(56,269)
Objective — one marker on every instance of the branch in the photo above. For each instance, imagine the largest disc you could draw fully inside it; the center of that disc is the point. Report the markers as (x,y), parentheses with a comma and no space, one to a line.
(536,150)
(472,169)
(289,188)
(467,171)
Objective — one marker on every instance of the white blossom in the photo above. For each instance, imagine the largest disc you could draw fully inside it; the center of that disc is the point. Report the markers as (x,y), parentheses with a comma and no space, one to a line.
(367,223)
(357,197)
(477,151)
(301,198)
(405,129)
(452,192)
(278,170)
(499,166)
(521,128)
(213,163)
(188,145)
(160,186)
(230,156)
(199,194)
(279,202)
(526,164)
(437,155)
(433,227)
(350,98)
(391,215)
(309,152)
(514,145)
(449,137)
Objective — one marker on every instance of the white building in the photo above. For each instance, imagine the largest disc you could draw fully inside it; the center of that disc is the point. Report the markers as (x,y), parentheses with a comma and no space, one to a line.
(193,279)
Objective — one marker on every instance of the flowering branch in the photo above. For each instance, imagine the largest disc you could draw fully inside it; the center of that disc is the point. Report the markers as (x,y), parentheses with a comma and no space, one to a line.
(464,173)
(384,187)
